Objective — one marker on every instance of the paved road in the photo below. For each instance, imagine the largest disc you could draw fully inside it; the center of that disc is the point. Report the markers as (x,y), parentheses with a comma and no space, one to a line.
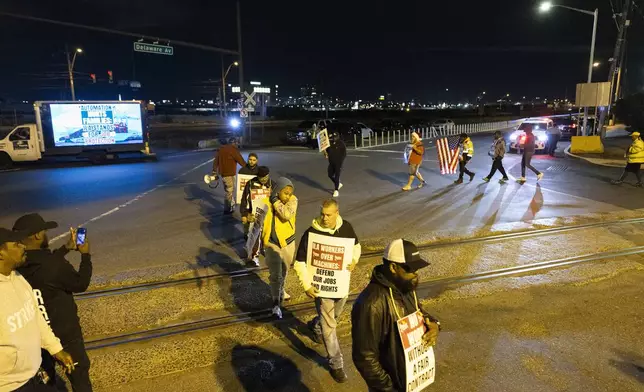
(160,219)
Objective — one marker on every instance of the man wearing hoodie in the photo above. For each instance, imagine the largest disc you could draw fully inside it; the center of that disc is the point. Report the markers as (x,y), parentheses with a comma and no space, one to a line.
(391,295)
(528,152)
(23,328)
(336,154)
(225,165)
(251,167)
(278,238)
(330,224)
(55,281)
(497,152)
(414,161)
(261,183)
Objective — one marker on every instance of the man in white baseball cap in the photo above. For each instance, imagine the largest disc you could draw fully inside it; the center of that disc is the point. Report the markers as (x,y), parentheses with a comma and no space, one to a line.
(391,295)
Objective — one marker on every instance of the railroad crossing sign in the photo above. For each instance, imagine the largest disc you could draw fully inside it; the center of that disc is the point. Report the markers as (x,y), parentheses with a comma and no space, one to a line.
(250,99)
(153,48)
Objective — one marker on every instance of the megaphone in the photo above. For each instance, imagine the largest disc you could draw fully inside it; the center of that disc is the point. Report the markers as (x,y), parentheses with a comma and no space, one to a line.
(212,180)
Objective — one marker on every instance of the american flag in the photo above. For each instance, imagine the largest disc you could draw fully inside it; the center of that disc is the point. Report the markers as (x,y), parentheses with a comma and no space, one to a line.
(448,150)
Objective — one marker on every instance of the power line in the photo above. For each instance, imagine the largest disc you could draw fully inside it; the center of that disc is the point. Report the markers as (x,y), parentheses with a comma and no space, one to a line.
(124,33)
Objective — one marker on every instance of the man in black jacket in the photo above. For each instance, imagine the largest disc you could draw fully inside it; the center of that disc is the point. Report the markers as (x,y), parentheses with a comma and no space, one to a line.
(377,348)
(251,167)
(336,153)
(54,281)
(329,224)
(257,188)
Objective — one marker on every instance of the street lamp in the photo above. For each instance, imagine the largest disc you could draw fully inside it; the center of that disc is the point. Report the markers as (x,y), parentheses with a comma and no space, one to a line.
(70,70)
(547,6)
(596,64)
(223,83)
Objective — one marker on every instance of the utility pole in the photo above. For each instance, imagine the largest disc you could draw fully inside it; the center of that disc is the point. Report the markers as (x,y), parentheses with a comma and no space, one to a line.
(223,89)
(241,61)
(618,57)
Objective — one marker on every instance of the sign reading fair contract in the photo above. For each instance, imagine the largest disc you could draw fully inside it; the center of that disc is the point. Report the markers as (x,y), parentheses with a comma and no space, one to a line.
(240,183)
(323,140)
(419,357)
(92,124)
(327,261)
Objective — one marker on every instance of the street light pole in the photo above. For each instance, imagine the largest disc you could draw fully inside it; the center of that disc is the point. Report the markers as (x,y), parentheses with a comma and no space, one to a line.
(70,70)
(545,7)
(223,83)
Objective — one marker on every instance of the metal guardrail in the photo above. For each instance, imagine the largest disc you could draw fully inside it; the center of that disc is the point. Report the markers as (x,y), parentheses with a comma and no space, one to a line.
(377,139)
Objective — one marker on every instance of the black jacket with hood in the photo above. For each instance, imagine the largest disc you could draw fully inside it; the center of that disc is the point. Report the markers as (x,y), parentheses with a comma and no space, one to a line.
(377,349)
(337,152)
(246,205)
(57,280)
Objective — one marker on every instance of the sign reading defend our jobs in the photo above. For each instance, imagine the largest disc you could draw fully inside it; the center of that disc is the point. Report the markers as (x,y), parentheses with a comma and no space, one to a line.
(419,357)
(327,261)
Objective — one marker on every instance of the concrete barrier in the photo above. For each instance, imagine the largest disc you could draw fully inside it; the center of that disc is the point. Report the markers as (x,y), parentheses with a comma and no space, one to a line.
(586,145)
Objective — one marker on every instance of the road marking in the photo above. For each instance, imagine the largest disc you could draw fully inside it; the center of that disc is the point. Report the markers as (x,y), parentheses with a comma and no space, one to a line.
(9,170)
(136,198)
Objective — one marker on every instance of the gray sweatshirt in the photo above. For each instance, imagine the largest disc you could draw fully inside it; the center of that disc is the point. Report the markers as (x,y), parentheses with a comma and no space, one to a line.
(23,332)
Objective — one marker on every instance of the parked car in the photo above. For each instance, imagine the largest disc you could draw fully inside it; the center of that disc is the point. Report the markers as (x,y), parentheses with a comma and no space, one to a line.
(388,125)
(443,124)
(539,127)
(567,126)
(304,132)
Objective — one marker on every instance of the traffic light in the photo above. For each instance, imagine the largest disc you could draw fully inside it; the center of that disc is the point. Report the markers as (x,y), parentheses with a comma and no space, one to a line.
(110,76)
(93,76)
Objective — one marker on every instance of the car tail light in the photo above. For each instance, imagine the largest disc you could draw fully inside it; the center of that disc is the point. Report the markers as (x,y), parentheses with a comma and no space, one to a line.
(574,125)
(522,139)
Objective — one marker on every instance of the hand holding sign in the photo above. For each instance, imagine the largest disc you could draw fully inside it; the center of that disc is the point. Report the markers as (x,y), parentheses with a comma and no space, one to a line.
(351,266)
(432,333)
(312,292)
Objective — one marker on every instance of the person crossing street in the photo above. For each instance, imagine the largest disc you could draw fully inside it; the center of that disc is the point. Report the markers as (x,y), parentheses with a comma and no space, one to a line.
(528,152)
(378,352)
(414,161)
(330,224)
(225,165)
(497,152)
(634,158)
(467,152)
(336,154)
(554,134)
(278,238)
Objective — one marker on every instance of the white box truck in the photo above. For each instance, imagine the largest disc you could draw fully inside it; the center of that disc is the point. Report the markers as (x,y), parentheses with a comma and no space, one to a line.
(93,130)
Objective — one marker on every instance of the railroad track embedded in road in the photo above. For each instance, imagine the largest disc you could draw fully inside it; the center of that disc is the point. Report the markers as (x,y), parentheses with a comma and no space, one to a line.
(369,254)
(304,307)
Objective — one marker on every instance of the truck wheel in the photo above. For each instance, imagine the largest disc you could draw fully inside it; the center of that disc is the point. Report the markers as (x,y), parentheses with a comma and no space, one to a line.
(5,161)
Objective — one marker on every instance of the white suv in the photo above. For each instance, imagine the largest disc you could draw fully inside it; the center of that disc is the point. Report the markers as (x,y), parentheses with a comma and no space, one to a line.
(539,127)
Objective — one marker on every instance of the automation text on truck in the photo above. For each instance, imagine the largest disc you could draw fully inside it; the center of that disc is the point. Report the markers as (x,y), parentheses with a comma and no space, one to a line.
(94,130)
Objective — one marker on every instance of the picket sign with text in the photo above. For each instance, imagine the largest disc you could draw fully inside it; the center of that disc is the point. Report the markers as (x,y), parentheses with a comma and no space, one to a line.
(255,228)
(323,140)
(327,261)
(419,357)
(240,183)
(407,152)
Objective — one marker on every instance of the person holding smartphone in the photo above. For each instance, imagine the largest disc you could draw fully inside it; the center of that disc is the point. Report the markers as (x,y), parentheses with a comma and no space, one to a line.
(54,281)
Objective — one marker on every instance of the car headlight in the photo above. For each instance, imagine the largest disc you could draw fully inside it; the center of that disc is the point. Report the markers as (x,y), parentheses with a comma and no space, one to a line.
(513,137)
(543,138)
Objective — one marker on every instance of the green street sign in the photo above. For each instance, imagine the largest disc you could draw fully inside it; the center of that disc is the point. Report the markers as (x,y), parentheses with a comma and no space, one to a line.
(153,48)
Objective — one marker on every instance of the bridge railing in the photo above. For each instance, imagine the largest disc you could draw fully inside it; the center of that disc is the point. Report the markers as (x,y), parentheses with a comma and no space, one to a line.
(378,139)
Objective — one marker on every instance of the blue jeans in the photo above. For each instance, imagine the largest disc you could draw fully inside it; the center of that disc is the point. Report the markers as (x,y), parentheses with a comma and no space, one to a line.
(325,323)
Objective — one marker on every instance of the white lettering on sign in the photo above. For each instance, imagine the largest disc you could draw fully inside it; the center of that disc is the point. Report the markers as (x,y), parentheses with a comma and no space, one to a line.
(23,316)
(41,305)
(327,259)
(419,357)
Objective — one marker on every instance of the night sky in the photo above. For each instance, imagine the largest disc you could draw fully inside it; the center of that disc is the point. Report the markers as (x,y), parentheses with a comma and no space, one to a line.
(354,49)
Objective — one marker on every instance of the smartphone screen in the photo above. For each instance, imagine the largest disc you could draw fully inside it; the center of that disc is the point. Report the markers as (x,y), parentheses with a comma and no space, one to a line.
(81,233)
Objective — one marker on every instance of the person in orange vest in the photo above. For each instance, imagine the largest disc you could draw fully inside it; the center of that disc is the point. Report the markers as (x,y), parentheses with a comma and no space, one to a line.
(415,160)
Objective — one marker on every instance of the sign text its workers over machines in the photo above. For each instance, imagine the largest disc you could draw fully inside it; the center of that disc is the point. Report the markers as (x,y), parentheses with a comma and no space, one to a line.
(327,261)
(419,357)
(240,183)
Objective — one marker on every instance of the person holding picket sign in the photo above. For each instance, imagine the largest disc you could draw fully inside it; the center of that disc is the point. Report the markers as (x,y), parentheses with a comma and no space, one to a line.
(393,336)
(329,250)
(256,189)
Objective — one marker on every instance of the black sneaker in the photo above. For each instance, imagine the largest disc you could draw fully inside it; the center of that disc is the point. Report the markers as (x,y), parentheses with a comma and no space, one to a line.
(339,375)
(504,179)
(472,176)
(459,181)
(486,179)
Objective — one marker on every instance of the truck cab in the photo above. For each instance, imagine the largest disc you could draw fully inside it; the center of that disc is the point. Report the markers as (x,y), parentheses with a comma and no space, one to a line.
(21,144)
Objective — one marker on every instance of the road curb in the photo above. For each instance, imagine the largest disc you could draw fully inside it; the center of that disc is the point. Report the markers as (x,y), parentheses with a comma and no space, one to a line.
(568,153)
